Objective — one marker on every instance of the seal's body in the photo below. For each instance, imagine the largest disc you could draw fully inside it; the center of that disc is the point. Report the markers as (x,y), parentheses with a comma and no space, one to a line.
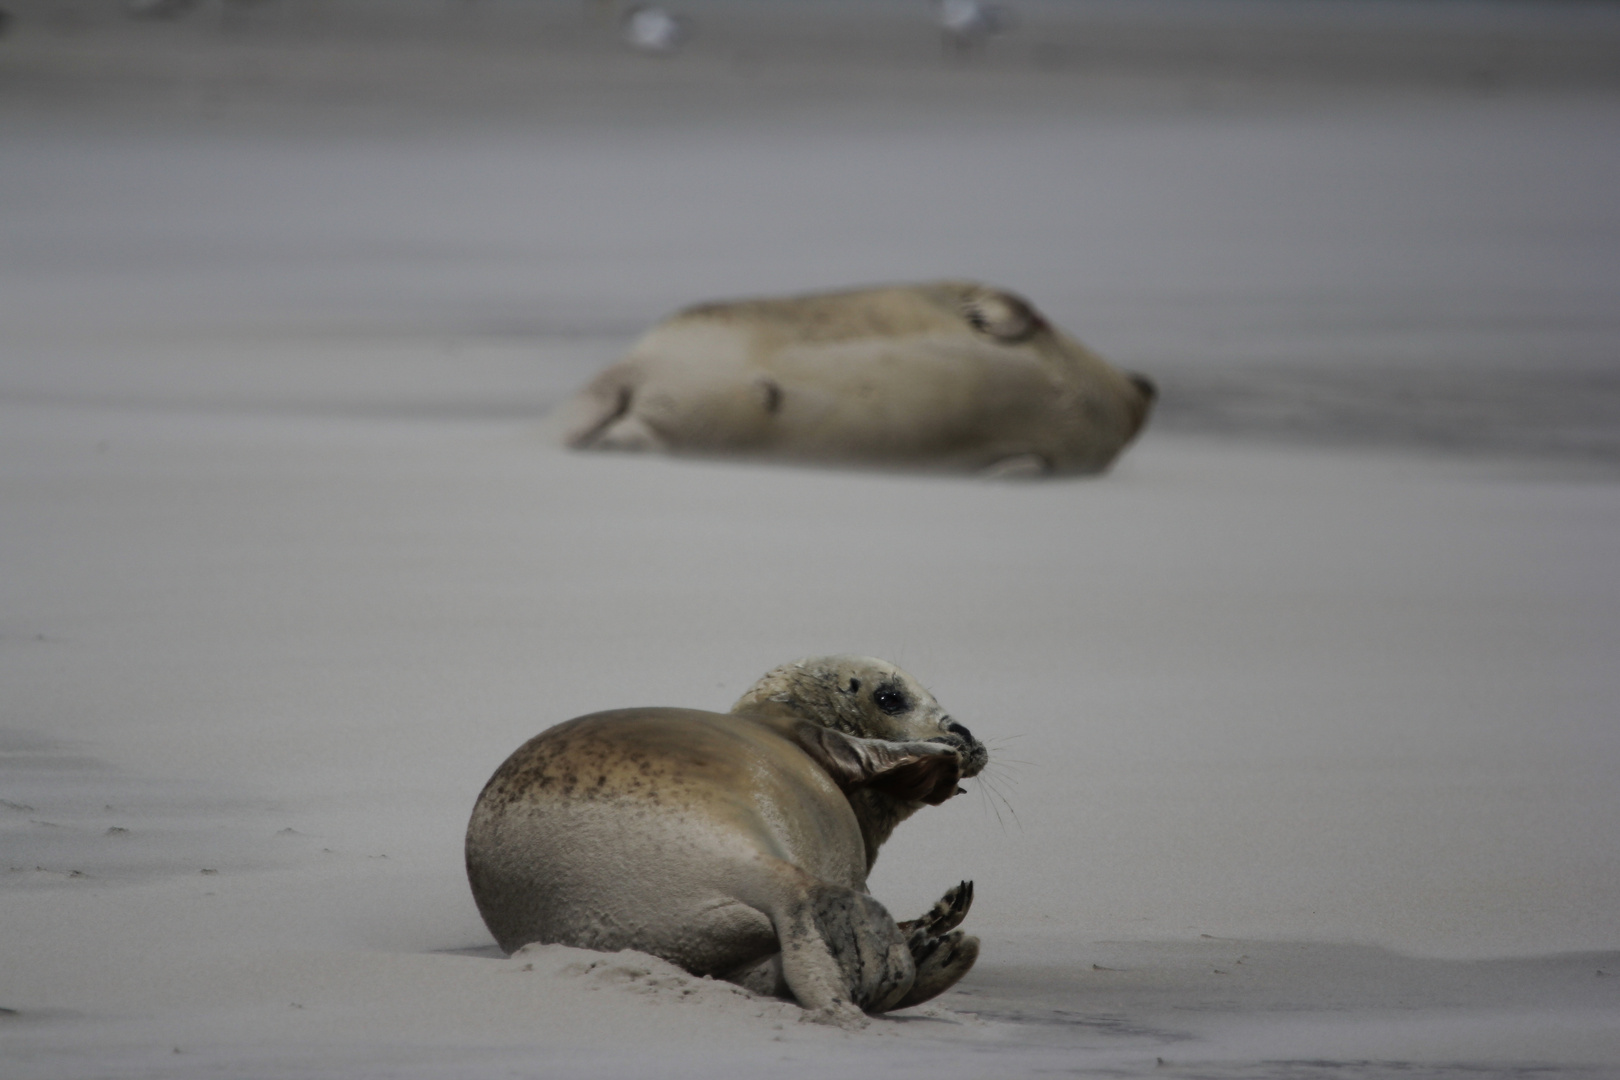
(734,844)
(949,376)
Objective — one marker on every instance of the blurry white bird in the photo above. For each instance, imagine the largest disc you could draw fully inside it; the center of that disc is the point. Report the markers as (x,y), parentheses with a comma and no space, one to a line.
(968,24)
(654,30)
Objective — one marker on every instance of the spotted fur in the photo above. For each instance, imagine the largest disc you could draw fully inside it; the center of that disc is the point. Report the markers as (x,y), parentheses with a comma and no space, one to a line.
(735,844)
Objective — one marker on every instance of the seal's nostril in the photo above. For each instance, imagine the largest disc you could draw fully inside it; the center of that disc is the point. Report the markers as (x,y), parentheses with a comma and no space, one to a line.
(957,729)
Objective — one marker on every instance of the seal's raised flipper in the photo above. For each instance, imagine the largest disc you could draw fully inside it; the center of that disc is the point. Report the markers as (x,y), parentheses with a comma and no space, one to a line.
(942,954)
(914,771)
(946,915)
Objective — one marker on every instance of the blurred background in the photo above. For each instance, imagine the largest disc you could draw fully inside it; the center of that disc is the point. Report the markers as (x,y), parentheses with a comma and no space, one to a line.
(1328,220)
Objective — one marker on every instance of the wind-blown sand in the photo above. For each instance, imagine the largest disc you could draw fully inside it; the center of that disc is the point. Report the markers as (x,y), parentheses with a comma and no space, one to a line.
(1303,721)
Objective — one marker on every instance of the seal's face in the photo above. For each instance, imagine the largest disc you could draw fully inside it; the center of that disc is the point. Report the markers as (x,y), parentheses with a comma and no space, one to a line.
(898,708)
(868,698)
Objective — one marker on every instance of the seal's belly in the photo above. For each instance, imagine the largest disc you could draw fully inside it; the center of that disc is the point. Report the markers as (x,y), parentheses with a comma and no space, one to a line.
(620,874)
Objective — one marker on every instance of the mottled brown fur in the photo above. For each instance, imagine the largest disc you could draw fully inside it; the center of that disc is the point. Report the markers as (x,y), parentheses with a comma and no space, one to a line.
(735,844)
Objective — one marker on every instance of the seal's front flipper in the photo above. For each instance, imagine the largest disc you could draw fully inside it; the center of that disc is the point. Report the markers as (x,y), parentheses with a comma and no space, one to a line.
(602,417)
(912,771)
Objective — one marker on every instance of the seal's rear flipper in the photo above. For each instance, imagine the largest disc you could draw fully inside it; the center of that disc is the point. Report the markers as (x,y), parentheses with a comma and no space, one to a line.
(845,950)
(946,915)
(841,954)
(941,953)
(941,961)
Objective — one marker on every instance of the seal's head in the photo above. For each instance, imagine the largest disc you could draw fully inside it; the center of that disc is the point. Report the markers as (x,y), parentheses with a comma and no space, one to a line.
(874,700)
(867,698)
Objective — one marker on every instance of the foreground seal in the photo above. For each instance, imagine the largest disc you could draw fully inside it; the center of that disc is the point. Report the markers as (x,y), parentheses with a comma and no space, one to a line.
(735,844)
(950,376)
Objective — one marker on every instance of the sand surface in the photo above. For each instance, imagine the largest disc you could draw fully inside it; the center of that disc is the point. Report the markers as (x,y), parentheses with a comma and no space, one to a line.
(1303,721)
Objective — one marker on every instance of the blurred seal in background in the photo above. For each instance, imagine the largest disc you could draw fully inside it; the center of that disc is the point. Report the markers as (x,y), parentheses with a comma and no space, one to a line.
(952,376)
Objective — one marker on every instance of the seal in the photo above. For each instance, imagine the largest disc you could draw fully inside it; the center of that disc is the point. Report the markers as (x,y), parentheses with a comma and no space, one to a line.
(735,844)
(952,376)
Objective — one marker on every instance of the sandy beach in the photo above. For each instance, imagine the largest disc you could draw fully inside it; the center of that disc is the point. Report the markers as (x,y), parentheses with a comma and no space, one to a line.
(1302,720)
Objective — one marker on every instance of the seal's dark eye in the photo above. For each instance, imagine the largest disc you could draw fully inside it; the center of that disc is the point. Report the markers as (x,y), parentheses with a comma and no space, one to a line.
(1000,315)
(890,701)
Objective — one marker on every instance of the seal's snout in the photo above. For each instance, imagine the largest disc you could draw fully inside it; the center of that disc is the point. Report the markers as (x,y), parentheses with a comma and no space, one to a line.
(1147,392)
(971,751)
